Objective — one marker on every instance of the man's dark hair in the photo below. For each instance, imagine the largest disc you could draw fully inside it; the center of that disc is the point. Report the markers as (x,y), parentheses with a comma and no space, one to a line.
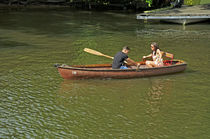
(126,47)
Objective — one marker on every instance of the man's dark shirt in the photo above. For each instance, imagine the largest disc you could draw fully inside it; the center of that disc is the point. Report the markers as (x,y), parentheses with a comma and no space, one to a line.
(119,59)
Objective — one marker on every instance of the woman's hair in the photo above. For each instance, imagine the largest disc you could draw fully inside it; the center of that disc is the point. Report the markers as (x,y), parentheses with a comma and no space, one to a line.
(156,46)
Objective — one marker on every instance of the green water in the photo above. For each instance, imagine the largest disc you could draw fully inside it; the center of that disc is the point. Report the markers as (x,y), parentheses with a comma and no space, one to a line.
(35,102)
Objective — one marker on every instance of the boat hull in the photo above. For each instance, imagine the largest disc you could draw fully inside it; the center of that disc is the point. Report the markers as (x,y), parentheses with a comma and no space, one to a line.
(70,72)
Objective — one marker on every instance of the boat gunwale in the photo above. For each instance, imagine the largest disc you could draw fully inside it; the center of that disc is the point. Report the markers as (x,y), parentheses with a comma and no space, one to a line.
(122,70)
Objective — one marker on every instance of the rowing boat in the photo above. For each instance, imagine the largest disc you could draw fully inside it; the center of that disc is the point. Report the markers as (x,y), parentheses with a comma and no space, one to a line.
(106,71)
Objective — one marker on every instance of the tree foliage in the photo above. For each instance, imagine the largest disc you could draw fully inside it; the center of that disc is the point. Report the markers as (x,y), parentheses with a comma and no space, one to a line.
(95,4)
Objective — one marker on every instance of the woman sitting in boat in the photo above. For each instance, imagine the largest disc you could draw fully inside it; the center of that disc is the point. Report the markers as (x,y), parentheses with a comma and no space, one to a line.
(155,55)
(121,57)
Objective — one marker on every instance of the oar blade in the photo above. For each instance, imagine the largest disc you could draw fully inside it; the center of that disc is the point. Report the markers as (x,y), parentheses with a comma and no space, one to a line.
(93,51)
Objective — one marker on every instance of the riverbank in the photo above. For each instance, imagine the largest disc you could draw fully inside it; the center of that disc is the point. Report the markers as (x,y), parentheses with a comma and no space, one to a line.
(125,6)
(34,6)
(183,15)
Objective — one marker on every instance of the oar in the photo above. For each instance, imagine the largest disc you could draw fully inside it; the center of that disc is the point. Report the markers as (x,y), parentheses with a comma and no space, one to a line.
(96,53)
(91,51)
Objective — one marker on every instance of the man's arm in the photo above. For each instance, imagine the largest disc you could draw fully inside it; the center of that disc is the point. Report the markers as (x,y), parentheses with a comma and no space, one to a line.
(132,61)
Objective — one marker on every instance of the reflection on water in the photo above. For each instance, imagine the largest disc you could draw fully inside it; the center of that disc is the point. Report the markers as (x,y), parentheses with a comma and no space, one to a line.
(71,90)
(159,88)
(157,98)
(134,107)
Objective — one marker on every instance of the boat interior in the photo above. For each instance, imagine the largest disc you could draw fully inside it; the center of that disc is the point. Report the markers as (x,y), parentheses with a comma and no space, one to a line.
(109,66)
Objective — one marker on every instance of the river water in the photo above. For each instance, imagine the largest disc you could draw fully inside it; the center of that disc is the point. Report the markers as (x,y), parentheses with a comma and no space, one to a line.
(35,102)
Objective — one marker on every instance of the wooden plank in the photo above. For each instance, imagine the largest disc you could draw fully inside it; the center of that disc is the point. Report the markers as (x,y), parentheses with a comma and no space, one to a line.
(186,12)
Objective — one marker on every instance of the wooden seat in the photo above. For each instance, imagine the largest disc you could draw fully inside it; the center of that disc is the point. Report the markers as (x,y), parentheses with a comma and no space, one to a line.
(169,57)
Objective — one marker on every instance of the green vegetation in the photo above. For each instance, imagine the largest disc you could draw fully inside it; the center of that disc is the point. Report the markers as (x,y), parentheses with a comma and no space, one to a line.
(196,2)
(105,4)
(94,4)
(192,2)
(149,2)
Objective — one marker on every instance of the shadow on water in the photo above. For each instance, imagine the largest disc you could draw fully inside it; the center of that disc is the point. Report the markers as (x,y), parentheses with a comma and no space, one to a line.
(10,44)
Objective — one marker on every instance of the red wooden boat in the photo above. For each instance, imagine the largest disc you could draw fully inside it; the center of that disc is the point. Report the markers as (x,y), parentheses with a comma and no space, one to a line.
(106,71)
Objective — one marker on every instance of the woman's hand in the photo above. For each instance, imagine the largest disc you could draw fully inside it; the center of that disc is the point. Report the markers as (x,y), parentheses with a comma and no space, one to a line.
(144,57)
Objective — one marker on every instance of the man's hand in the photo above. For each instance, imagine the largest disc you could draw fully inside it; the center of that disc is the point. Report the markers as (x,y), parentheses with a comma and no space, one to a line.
(138,65)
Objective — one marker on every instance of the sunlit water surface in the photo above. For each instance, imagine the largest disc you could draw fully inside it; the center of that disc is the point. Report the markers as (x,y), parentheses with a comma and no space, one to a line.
(35,102)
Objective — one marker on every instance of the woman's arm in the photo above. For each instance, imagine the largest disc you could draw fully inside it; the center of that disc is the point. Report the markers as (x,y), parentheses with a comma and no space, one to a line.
(150,55)
(159,53)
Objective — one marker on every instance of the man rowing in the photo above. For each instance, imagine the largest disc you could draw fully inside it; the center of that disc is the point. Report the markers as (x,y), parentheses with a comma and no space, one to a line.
(121,57)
